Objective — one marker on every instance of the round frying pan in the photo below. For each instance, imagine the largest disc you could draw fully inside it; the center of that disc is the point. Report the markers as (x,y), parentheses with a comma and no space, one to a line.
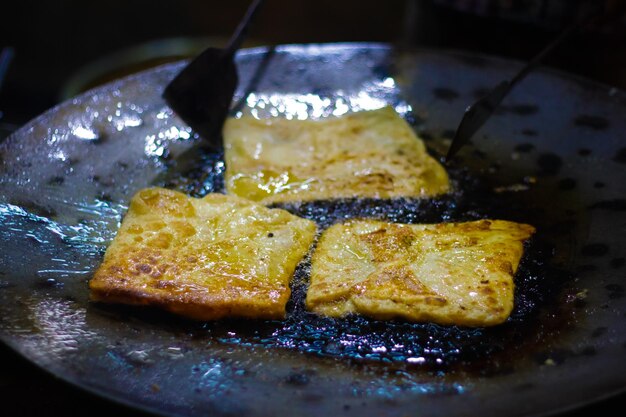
(553,156)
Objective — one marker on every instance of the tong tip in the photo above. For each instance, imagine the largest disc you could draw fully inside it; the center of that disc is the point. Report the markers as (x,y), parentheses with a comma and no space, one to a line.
(452,149)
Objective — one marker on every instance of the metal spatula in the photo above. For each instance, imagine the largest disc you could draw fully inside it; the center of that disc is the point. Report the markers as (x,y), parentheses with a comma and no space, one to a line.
(201,94)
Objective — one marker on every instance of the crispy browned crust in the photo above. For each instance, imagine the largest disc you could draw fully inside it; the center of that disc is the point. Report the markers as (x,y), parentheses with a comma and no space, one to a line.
(449,273)
(198,308)
(210,258)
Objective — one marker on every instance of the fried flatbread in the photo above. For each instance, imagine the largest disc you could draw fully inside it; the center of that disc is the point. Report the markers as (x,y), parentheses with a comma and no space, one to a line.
(218,256)
(448,273)
(372,154)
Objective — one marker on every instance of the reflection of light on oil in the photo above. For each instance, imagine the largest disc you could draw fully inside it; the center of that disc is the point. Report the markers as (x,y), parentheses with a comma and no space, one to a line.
(127,121)
(10,209)
(154,146)
(157,144)
(403,108)
(340,107)
(62,272)
(58,155)
(364,101)
(173,133)
(135,108)
(94,230)
(406,383)
(388,83)
(372,96)
(213,375)
(164,114)
(213,372)
(82,132)
(251,100)
(56,136)
(60,325)
(302,107)
(174,352)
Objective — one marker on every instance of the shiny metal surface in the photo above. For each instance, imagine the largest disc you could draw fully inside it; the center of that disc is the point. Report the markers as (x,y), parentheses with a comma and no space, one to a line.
(68,175)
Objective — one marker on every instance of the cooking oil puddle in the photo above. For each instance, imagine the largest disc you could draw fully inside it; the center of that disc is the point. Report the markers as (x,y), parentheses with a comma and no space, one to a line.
(73,247)
(56,251)
(52,329)
(428,346)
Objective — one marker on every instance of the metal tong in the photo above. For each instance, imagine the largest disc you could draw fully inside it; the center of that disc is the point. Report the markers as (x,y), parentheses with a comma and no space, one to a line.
(477,114)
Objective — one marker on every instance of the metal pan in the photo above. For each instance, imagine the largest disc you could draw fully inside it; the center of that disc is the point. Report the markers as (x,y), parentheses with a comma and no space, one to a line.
(551,156)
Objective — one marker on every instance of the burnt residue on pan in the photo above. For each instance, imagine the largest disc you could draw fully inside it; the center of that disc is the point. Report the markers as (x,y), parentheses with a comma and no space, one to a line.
(543,282)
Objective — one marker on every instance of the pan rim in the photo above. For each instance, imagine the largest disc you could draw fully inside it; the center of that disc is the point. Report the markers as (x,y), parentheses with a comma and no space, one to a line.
(591,84)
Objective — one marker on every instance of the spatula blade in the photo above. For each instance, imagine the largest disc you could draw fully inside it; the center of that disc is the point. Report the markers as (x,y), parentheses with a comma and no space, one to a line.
(201,94)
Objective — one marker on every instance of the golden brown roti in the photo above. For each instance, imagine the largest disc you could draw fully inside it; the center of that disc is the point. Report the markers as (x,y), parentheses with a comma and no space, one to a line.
(449,273)
(218,256)
(365,154)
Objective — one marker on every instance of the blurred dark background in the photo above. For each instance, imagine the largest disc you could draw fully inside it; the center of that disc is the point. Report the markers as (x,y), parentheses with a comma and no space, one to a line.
(60,48)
